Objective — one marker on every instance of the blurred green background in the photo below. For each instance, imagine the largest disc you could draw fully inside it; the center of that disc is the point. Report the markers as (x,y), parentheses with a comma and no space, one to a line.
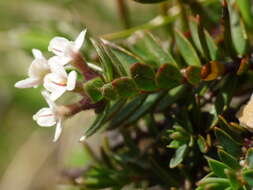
(28,158)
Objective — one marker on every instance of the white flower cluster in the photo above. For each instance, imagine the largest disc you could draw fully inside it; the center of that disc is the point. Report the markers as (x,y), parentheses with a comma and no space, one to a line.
(52,75)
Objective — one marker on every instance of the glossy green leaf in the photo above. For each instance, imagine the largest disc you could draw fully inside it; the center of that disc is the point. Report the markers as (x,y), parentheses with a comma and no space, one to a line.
(217,167)
(187,50)
(214,180)
(231,175)
(246,11)
(212,47)
(172,96)
(193,74)
(106,62)
(149,49)
(248,177)
(168,76)
(178,157)
(203,147)
(97,124)
(126,111)
(227,142)
(195,30)
(115,107)
(92,89)
(238,33)
(109,92)
(148,105)
(144,76)
(125,57)
(125,87)
(228,159)
(174,144)
(118,67)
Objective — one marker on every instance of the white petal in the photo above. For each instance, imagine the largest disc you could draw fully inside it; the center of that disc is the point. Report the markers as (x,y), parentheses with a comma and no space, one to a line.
(58,130)
(58,45)
(58,60)
(48,99)
(52,82)
(28,83)
(37,54)
(57,93)
(59,70)
(79,40)
(71,83)
(45,117)
(38,68)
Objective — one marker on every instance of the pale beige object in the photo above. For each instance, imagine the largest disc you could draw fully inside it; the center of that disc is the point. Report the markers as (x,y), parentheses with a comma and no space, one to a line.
(245,115)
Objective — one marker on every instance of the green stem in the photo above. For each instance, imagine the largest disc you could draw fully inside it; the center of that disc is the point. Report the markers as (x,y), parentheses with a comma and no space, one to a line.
(153,24)
(123,13)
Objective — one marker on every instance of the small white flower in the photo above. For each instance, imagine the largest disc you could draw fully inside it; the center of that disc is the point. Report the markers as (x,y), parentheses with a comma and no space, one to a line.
(47,117)
(36,72)
(58,81)
(63,47)
(59,60)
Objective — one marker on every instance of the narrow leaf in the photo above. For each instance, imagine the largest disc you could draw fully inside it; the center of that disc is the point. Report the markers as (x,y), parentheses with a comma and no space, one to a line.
(227,142)
(228,159)
(217,167)
(178,156)
(187,50)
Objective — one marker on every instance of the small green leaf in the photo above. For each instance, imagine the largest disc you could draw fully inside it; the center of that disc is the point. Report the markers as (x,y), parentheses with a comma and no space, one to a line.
(216,181)
(248,176)
(172,96)
(125,57)
(227,142)
(233,179)
(105,60)
(197,36)
(228,159)
(108,92)
(203,147)
(148,48)
(237,28)
(168,76)
(246,11)
(178,157)
(97,124)
(92,88)
(249,157)
(125,87)
(126,111)
(118,67)
(217,167)
(212,47)
(187,50)
(193,74)
(149,104)
(174,144)
(144,76)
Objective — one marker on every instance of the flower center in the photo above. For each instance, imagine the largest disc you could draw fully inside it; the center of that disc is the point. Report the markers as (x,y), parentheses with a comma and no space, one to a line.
(57,50)
(59,84)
